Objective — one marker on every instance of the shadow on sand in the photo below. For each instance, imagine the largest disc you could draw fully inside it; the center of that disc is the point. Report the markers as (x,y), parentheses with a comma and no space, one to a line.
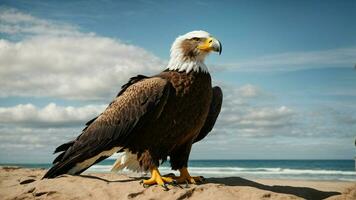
(108,181)
(304,192)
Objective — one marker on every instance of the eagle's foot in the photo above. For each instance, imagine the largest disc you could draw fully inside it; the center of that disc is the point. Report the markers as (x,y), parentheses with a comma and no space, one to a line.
(157,179)
(186,178)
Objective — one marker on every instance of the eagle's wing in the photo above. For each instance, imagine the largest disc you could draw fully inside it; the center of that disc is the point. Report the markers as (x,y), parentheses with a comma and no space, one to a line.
(140,102)
(214,111)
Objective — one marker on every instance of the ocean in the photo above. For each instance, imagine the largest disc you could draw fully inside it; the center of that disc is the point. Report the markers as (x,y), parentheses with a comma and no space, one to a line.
(330,170)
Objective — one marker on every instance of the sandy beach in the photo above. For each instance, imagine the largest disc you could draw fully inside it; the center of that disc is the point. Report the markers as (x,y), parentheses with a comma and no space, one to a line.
(23,183)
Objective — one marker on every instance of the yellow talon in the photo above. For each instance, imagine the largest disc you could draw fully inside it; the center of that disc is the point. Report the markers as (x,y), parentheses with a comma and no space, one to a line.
(167,179)
(185,177)
(156,178)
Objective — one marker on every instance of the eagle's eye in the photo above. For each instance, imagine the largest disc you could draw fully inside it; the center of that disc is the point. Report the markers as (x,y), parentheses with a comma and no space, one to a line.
(196,39)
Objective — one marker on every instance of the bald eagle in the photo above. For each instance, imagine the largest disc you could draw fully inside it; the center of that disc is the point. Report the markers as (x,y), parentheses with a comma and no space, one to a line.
(152,118)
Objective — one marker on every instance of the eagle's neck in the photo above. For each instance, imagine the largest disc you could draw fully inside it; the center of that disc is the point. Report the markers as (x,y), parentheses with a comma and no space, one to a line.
(182,63)
(187,66)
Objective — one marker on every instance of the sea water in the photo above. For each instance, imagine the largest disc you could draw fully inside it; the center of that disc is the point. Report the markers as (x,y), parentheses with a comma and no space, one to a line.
(331,170)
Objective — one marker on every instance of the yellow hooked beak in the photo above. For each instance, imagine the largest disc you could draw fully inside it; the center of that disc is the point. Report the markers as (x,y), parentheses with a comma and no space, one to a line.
(211,44)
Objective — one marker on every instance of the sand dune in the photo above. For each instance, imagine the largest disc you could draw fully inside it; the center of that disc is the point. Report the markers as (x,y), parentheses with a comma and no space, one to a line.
(22,183)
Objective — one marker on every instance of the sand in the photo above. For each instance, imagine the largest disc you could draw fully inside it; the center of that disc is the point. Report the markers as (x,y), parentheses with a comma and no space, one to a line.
(23,183)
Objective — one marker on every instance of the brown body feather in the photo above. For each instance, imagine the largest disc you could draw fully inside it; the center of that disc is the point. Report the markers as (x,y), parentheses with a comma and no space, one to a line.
(153,117)
(184,114)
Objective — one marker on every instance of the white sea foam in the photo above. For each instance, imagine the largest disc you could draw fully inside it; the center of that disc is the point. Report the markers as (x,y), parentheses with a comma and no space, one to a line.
(314,174)
(238,170)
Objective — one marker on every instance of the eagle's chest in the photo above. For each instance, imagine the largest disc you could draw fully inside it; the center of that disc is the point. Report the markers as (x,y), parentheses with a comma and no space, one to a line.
(188,107)
(192,91)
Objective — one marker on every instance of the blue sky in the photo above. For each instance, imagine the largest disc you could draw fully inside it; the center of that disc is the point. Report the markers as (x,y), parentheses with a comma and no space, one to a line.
(287,72)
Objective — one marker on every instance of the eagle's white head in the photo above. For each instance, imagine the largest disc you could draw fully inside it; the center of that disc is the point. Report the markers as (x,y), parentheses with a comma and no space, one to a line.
(188,51)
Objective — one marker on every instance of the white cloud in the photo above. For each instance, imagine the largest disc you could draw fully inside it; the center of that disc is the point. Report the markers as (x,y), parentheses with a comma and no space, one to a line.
(258,116)
(22,137)
(254,122)
(21,144)
(342,57)
(268,113)
(59,61)
(249,91)
(17,23)
(240,115)
(49,116)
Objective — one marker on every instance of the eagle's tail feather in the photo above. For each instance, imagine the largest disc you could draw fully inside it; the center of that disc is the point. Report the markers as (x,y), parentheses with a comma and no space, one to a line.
(78,163)
(71,168)
(58,169)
